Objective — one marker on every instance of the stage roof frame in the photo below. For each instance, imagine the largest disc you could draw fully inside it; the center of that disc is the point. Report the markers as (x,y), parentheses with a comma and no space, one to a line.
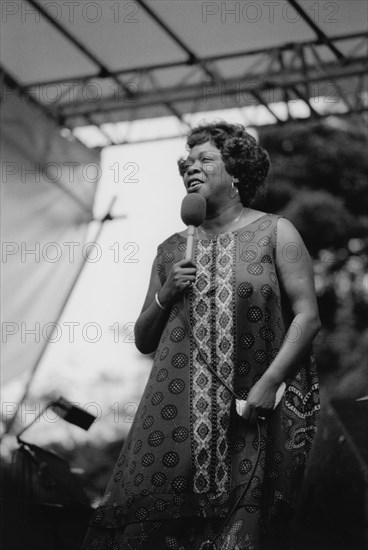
(325,71)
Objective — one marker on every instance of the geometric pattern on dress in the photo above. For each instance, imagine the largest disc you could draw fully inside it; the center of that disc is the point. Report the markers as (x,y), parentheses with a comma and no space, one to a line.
(301,410)
(213,323)
(201,403)
(225,333)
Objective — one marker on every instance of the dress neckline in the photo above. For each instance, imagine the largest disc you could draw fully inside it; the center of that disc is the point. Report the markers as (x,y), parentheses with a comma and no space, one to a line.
(209,237)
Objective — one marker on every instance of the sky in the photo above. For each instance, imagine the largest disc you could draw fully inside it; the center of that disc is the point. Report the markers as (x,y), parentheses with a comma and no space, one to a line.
(101,369)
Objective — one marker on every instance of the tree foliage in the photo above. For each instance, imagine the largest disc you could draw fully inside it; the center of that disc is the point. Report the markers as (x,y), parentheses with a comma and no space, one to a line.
(319,181)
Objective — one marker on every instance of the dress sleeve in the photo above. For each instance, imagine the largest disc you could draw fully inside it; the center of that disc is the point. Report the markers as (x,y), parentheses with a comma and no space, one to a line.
(160,264)
(170,251)
(276,218)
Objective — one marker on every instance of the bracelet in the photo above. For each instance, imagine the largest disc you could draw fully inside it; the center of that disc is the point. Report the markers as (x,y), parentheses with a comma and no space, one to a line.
(158,302)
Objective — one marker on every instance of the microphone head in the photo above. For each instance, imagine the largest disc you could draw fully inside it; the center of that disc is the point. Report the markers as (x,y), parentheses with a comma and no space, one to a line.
(193,209)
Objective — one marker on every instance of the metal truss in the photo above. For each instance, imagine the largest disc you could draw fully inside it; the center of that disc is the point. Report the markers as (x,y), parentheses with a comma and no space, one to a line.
(328,75)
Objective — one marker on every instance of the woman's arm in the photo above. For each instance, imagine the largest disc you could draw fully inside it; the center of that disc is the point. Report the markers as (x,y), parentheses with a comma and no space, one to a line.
(297,281)
(152,319)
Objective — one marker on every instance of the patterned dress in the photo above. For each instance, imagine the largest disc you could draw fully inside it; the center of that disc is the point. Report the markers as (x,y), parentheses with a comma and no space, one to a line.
(192,471)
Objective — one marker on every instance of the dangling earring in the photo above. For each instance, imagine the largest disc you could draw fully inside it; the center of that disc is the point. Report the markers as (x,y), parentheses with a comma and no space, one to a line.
(233,189)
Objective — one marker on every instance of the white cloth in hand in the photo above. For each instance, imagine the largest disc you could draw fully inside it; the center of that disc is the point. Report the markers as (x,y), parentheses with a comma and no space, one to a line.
(241,403)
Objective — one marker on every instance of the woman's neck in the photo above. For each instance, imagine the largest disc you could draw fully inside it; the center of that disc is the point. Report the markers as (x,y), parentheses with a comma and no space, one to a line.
(221,217)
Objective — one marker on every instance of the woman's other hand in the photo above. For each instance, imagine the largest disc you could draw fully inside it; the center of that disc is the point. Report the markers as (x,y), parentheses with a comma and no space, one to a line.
(260,401)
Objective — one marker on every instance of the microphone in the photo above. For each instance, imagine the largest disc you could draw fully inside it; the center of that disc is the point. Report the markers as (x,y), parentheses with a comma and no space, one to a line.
(193,213)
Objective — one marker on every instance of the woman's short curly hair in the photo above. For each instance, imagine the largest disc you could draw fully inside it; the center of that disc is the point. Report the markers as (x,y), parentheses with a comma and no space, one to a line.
(244,159)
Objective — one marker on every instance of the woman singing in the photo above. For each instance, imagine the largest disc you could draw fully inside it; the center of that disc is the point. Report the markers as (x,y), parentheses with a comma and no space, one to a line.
(198,471)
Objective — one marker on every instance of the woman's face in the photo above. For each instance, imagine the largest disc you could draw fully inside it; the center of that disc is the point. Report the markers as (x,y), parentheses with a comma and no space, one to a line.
(205,172)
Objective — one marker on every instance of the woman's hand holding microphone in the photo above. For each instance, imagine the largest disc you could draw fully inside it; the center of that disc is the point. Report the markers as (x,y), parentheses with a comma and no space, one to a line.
(182,275)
